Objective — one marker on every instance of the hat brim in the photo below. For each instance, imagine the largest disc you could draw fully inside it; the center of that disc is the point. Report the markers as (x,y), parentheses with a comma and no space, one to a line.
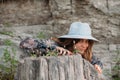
(78,37)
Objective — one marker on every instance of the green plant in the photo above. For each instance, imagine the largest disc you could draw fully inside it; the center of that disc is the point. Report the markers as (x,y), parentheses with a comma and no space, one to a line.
(116,68)
(41,35)
(52,53)
(8,42)
(7,25)
(76,51)
(6,33)
(8,62)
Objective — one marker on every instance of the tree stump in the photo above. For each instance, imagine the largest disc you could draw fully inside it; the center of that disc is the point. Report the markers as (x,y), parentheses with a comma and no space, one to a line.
(72,67)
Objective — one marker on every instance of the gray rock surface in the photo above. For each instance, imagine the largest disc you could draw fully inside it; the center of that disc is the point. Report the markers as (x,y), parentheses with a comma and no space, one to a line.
(53,17)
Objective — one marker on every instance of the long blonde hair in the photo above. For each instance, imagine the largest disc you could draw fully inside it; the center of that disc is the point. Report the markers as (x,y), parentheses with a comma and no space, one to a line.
(68,44)
(88,53)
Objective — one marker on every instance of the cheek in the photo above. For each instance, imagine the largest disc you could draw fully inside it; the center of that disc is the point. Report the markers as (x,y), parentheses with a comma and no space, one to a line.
(81,47)
(77,45)
(86,46)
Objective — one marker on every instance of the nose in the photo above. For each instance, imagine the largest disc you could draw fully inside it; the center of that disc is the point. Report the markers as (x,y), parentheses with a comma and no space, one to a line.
(84,45)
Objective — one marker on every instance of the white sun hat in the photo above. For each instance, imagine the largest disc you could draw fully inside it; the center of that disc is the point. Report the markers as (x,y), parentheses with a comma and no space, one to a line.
(79,30)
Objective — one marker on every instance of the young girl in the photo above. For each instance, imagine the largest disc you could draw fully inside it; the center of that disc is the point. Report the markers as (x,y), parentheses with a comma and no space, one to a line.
(78,40)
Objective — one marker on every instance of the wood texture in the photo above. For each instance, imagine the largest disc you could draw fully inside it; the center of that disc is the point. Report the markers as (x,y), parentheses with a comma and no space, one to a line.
(72,67)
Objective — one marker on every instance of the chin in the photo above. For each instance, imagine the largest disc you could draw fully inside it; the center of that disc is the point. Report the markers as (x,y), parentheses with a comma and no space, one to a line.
(82,52)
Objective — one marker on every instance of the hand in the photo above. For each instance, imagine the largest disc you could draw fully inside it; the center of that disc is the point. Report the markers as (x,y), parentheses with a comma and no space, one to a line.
(97,67)
(63,51)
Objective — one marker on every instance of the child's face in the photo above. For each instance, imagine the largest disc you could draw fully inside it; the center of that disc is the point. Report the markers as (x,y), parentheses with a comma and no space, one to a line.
(82,45)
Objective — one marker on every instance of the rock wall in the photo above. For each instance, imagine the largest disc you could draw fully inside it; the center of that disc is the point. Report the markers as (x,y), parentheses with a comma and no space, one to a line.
(102,15)
(53,17)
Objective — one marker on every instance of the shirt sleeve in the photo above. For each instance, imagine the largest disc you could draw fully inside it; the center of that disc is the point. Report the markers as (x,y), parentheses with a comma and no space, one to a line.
(46,44)
(95,60)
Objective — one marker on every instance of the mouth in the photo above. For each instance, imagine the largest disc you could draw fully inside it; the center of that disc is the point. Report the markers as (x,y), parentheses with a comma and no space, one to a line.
(82,50)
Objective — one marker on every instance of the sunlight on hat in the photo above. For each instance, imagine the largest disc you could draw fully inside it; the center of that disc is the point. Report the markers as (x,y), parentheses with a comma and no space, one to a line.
(79,30)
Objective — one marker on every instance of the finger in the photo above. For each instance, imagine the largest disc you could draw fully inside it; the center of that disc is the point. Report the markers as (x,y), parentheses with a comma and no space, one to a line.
(60,51)
(64,52)
(69,53)
(98,69)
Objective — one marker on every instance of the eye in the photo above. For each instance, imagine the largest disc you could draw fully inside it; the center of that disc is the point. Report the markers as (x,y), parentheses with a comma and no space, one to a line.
(80,41)
(86,41)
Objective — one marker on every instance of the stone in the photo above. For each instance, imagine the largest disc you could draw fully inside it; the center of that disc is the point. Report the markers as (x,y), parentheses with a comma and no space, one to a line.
(113,6)
(101,5)
(112,47)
